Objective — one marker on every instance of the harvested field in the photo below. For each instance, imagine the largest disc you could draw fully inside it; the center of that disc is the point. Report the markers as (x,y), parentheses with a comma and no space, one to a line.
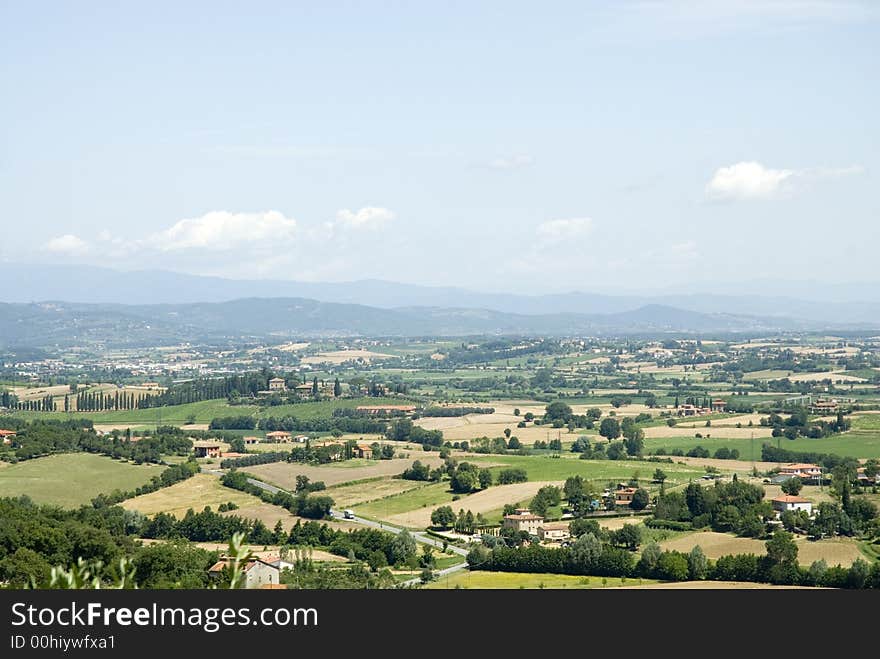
(340,356)
(527,435)
(283,474)
(690,428)
(834,551)
(480,502)
(197,492)
(727,465)
(834,376)
(351,495)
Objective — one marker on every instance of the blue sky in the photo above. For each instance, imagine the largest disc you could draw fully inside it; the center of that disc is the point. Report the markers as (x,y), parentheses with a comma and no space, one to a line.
(505,146)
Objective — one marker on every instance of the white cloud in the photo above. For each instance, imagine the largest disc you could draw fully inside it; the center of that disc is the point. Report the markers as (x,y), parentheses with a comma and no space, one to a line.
(222,230)
(68,244)
(370,217)
(511,162)
(554,230)
(752,180)
(747,180)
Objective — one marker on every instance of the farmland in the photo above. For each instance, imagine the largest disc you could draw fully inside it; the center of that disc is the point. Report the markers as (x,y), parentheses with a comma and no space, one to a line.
(607,393)
(516,580)
(72,479)
(834,551)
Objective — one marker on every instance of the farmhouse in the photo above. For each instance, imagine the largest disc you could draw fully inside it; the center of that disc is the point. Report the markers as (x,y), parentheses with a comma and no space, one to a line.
(206,449)
(7,435)
(691,410)
(523,520)
(258,573)
(277,384)
(303,390)
(790,502)
(623,496)
(278,436)
(719,405)
(386,409)
(251,440)
(362,451)
(302,439)
(802,470)
(823,407)
(554,532)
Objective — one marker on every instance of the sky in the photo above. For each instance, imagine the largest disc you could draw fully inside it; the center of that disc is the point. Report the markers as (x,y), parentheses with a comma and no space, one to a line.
(498,146)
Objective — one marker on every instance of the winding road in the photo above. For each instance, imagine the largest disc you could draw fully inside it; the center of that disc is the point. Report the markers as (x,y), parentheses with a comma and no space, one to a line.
(418,536)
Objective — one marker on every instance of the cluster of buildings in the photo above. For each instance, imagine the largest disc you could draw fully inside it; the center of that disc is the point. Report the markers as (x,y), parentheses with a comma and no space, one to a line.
(522,519)
(717,405)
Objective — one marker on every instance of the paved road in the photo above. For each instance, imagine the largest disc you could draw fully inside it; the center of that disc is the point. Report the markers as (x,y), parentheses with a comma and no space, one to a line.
(418,536)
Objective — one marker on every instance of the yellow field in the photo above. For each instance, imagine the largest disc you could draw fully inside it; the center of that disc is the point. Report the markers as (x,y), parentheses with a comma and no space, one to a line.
(351,495)
(197,492)
(690,428)
(834,551)
(339,356)
(283,474)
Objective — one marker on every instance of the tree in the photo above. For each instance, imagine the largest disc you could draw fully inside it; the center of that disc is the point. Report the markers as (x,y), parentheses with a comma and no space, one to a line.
(547,497)
(609,428)
(672,566)
(237,445)
(698,565)
(444,517)
(485,478)
(573,488)
(640,499)
(659,476)
(337,388)
(514,443)
(635,442)
(616,451)
(402,548)
(629,536)
(315,386)
(781,548)
(793,486)
(557,411)
(464,481)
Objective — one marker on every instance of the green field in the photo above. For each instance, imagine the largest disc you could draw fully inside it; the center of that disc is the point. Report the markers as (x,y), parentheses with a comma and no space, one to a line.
(429,496)
(203,412)
(206,410)
(516,580)
(851,444)
(72,479)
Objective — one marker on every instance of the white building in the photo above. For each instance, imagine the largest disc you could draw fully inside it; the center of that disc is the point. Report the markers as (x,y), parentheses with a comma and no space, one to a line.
(791,502)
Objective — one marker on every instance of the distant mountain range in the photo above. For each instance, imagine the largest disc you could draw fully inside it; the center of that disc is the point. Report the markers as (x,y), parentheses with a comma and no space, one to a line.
(820,303)
(62,324)
(99,306)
